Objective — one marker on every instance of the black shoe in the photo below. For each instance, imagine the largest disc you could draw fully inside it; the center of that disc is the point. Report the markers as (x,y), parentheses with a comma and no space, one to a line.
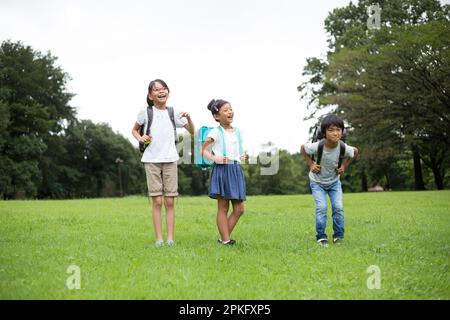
(323,242)
(227,243)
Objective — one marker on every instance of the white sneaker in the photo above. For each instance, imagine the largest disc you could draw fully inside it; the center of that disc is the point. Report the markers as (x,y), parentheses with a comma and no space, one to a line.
(170,242)
(159,243)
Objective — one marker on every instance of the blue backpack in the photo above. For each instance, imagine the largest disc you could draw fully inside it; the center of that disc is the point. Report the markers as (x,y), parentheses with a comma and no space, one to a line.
(200,139)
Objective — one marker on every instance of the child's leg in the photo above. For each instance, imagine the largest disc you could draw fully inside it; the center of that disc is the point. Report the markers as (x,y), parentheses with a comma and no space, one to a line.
(156,214)
(170,186)
(320,197)
(222,220)
(335,193)
(154,184)
(170,216)
(238,211)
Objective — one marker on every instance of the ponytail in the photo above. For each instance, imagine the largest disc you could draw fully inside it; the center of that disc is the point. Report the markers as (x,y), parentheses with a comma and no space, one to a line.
(215,105)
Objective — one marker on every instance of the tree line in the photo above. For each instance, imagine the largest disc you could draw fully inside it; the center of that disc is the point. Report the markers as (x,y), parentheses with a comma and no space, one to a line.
(391,86)
(46,152)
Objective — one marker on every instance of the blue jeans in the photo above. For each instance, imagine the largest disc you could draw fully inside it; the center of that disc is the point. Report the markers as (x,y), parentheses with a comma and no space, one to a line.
(320,192)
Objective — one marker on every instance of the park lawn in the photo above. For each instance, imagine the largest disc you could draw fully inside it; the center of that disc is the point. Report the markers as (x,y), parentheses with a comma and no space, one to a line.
(403,235)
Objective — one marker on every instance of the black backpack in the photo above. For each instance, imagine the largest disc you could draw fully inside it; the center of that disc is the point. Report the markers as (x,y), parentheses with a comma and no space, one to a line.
(145,127)
(318,136)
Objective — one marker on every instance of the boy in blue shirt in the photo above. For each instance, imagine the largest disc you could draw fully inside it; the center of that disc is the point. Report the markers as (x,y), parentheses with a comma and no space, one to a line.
(324,178)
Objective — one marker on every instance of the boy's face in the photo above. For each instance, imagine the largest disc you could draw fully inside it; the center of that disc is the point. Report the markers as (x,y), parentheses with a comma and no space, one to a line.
(333,133)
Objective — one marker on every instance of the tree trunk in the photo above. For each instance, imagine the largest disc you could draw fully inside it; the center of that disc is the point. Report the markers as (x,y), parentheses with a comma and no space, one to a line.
(364,185)
(438,179)
(99,188)
(434,162)
(418,178)
(388,182)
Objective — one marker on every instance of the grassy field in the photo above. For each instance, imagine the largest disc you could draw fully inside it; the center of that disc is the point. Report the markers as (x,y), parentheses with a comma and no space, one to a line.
(404,234)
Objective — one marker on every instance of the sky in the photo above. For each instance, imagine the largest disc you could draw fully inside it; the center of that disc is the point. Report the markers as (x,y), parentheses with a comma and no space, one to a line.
(248,52)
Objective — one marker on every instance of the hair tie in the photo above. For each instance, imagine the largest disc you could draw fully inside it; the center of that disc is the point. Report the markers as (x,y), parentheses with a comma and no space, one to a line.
(214,106)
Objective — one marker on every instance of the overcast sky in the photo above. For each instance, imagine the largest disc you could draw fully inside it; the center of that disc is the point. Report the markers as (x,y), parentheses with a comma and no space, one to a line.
(249,52)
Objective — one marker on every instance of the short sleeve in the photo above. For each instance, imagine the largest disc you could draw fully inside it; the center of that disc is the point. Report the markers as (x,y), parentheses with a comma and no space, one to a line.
(349,151)
(141,117)
(311,147)
(180,121)
(213,134)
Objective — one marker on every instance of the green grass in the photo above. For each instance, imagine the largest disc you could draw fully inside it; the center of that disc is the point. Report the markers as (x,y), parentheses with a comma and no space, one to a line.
(405,234)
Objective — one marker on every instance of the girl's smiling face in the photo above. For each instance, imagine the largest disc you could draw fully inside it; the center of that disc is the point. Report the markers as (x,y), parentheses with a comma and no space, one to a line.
(225,115)
(159,93)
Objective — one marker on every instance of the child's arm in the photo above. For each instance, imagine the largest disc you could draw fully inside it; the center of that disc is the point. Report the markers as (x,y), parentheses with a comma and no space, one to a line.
(190,125)
(136,134)
(311,164)
(347,162)
(208,155)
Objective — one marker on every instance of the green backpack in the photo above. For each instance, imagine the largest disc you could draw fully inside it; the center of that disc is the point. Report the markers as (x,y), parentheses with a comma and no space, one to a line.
(200,138)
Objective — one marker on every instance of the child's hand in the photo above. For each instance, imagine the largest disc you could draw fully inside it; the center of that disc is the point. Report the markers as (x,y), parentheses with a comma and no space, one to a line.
(244,157)
(315,168)
(341,170)
(221,160)
(185,114)
(145,139)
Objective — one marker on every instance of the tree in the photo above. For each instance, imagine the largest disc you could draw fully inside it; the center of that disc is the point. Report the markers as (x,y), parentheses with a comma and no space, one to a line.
(348,33)
(89,165)
(45,151)
(34,104)
(402,87)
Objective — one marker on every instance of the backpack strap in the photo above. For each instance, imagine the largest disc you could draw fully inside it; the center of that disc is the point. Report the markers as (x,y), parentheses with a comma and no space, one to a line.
(320,150)
(171,112)
(238,134)
(222,139)
(149,120)
(172,118)
(145,128)
(341,152)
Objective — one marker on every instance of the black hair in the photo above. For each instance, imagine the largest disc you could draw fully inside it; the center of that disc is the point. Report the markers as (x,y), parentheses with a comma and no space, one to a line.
(329,121)
(215,105)
(150,87)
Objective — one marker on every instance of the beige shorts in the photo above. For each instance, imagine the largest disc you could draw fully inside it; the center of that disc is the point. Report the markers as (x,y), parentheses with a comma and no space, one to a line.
(162,178)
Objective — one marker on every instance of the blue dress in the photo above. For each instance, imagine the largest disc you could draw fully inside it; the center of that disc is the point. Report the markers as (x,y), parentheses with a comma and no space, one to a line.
(227,180)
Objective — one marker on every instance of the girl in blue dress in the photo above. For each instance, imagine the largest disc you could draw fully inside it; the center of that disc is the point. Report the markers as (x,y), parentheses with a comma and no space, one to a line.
(223,146)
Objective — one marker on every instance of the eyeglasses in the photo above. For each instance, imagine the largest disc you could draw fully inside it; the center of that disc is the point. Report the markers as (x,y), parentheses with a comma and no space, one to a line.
(159,89)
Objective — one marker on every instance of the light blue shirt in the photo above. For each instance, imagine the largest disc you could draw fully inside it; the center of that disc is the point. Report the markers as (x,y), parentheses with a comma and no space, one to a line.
(329,162)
